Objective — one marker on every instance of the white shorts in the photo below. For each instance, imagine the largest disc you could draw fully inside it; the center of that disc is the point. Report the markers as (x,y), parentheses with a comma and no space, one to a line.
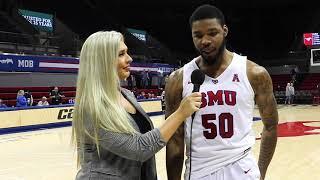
(243,169)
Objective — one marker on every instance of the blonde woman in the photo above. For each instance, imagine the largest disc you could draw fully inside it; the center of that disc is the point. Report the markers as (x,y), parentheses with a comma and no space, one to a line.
(114,136)
(21,100)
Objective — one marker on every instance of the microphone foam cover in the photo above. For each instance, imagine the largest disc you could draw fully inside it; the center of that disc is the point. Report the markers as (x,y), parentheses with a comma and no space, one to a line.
(197,77)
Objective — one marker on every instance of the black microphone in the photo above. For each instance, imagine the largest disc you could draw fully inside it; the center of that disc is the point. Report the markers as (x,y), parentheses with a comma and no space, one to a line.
(197,78)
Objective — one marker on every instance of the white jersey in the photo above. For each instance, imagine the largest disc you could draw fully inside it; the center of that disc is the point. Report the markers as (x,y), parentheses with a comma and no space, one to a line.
(222,128)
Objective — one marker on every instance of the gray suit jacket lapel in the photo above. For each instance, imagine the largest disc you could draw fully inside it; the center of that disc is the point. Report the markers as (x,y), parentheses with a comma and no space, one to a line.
(135,103)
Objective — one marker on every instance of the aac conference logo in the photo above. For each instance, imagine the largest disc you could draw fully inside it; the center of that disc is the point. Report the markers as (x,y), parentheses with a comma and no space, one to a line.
(6,61)
(65,114)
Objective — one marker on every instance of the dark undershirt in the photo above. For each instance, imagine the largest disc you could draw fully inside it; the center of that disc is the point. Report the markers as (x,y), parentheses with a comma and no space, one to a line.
(141,121)
(144,127)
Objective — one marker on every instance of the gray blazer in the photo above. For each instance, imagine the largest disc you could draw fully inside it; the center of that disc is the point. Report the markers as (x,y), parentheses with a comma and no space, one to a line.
(121,155)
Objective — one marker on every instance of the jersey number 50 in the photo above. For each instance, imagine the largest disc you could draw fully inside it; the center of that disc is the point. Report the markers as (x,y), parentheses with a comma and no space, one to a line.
(225,119)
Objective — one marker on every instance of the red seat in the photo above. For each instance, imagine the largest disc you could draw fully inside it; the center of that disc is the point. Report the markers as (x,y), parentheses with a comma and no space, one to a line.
(67,88)
(8,95)
(9,90)
(316,100)
(11,103)
(36,95)
(69,93)
(38,89)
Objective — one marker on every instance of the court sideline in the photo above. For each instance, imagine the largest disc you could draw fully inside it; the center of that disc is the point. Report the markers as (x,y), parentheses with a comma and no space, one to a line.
(48,155)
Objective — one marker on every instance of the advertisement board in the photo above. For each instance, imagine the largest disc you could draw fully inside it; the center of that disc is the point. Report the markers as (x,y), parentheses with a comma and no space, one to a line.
(42,21)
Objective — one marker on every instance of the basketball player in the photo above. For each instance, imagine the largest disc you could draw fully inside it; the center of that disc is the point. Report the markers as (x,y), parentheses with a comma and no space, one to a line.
(218,146)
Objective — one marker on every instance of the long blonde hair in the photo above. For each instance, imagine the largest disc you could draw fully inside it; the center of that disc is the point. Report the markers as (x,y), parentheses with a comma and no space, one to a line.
(98,89)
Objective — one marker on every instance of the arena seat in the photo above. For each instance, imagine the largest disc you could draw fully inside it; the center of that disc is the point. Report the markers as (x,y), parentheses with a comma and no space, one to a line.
(9,94)
(6,96)
(69,93)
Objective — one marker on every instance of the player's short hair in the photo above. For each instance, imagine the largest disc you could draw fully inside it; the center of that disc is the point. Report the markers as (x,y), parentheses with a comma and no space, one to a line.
(207,12)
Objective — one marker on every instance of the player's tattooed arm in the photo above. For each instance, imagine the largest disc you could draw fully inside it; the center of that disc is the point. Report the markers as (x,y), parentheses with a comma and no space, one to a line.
(264,97)
(175,146)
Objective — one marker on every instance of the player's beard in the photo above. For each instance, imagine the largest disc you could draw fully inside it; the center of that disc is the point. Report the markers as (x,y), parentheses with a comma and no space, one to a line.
(213,59)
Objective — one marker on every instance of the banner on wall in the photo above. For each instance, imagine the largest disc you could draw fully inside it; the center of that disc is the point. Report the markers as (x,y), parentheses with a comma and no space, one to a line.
(21,63)
(41,21)
(139,34)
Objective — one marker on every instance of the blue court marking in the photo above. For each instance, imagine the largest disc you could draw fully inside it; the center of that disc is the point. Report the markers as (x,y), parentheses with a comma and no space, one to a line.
(34,127)
(34,107)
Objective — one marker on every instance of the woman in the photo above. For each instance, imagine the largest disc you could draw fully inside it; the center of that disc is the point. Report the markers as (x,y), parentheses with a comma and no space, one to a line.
(43,102)
(2,105)
(21,100)
(114,136)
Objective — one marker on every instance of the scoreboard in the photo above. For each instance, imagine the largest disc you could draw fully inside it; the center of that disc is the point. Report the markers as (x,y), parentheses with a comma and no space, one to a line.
(311,39)
(315,57)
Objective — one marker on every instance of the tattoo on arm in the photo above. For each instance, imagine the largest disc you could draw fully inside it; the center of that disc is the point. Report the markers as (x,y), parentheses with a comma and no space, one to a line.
(175,146)
(269,114)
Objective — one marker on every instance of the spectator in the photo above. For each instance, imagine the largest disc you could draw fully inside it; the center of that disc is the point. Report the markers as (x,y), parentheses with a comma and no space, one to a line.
(28,96)
(21,100)
(293,72)
(2,105)
(287,101)
(291,89)
(149,79)
(56,96)
(130,81)
(278,88)
(71,101)
(142,95)
(160,77)
(162,94)
(138,80)
(43,102)
(162,101)
(144,78)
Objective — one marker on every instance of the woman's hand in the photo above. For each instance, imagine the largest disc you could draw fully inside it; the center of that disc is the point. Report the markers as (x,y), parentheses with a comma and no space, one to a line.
(190,104)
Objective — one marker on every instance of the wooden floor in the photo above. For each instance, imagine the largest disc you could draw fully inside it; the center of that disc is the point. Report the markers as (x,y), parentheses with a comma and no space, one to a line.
(48,155)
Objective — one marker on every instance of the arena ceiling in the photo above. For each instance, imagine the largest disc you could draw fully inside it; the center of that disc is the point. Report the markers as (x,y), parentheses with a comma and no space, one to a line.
(264,29)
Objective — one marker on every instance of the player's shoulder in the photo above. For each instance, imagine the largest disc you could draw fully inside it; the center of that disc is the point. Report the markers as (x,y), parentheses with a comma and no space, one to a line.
(175,81)
(257,75)
(255,70)
(176,75)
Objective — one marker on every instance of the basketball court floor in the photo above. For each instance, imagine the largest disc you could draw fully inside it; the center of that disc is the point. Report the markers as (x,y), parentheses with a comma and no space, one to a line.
(48,155)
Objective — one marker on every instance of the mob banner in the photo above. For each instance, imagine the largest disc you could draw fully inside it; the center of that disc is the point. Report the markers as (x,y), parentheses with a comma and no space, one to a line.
(21,63)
